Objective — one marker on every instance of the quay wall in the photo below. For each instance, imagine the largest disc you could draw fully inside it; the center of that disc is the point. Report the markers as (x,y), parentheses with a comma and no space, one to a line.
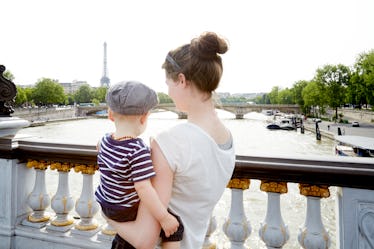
(362,116)
(45,114)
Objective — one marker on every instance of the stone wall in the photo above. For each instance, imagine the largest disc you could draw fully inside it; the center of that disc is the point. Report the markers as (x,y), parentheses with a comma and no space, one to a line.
(362,116)
(45,114)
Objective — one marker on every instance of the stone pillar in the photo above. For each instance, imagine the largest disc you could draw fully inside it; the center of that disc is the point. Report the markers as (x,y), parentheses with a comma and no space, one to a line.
(236,227)
(208,244)
(86,206)
(62,202)
(15,184)
(15,179)
(355,218)
(313,234)
(38,199)
(273,231)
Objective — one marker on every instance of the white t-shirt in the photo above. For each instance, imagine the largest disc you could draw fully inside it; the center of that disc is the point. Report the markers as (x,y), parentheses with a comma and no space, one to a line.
(201,173)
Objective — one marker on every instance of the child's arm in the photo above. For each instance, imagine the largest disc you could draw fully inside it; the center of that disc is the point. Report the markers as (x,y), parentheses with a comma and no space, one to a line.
(150,199)
(145,225)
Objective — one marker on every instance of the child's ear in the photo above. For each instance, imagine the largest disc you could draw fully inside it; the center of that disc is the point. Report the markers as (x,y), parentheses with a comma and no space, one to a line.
(143,118)
(110,115)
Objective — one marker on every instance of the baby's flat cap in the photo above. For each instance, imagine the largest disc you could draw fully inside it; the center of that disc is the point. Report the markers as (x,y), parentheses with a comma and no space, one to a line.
(131,98)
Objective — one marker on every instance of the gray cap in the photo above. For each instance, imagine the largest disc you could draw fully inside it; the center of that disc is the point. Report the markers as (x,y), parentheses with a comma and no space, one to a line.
(131,98)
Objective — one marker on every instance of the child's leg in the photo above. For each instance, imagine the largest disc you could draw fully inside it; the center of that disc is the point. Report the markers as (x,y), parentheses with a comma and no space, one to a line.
(171,245)
(141,233)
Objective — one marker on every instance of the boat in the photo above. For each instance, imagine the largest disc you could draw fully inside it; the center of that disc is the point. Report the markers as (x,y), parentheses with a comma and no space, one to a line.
(358,146)
(286,124)
(281,124)
(268,112)
(273,126)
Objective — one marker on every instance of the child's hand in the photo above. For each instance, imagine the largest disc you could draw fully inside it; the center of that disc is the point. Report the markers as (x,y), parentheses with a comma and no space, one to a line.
(169,224)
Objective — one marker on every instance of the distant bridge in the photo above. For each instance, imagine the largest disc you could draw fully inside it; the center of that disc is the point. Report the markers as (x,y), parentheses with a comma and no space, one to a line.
(239,109)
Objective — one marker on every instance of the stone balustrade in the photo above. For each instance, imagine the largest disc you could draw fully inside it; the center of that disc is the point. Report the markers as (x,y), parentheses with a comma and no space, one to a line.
(31,218)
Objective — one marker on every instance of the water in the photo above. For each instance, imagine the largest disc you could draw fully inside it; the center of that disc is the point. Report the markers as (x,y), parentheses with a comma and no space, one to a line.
(250,138)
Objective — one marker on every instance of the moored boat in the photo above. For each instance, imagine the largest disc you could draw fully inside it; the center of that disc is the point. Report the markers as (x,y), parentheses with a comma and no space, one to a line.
(354,146)
(282,124)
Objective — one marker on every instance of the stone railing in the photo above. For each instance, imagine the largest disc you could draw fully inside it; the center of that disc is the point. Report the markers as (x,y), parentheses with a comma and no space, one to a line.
(31,218)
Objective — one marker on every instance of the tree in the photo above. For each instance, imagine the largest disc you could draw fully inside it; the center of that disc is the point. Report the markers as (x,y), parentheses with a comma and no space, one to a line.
(364,77)
(164,98)
(100,93)
(8,75)
(297,89)
(313,97)
(273,95)
(47,92)
(21,97)
(334,80)
(84,94)
(285,96)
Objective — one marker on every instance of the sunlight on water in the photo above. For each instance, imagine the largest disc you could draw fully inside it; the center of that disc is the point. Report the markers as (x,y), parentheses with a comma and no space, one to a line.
(250,138)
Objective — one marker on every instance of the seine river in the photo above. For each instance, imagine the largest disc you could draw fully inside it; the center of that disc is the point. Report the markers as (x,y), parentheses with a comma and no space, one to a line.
(250,138)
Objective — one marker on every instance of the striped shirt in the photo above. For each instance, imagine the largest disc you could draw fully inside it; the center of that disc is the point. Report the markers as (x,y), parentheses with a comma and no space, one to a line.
(121,163)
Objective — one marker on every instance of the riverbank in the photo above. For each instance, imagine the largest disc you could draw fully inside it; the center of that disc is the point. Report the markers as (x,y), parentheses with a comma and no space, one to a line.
(330,129)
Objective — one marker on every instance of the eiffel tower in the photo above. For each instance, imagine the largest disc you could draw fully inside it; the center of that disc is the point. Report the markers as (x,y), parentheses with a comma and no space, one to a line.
(105,81)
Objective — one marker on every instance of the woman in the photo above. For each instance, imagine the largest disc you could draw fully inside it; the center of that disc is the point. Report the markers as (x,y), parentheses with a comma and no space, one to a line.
(193,161)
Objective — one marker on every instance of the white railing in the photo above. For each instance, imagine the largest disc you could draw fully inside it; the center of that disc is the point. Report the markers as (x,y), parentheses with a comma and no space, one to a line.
(34,218)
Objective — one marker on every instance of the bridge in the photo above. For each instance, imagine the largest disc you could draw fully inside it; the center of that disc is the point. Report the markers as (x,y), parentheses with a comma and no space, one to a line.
(73,221)
(238,109)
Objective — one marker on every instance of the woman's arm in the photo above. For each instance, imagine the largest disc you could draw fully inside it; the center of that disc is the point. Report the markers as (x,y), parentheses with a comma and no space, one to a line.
(145,230)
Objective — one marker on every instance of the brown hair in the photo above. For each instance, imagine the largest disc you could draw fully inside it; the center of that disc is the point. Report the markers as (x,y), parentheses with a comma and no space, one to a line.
(199,61)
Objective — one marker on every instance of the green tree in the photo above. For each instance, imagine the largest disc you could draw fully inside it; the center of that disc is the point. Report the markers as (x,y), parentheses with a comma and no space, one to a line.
(21,97)
(273,95)
(334,80)
(84,94)
(100,93)
(8,75)
(364,77)
(163,98)
(47,92)
(297,89)
(285,97)
(313,98)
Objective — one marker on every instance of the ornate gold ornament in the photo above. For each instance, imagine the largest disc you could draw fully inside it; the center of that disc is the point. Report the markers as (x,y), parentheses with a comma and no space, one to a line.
(275,187)
(239,183)
(42,165)
(314,190)
(89,169)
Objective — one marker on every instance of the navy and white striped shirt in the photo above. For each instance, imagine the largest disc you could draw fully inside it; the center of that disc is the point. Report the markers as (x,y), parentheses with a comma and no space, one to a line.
(121,163)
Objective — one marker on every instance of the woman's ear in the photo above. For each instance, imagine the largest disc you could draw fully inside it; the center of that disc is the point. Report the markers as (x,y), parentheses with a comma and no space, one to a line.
(110,115)
(181,78)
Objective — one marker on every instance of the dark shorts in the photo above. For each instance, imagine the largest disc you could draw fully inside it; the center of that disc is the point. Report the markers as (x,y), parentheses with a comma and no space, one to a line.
(120,214)
(119,243)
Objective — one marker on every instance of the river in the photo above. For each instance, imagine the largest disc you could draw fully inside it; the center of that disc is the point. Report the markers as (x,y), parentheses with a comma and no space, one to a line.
(250,138)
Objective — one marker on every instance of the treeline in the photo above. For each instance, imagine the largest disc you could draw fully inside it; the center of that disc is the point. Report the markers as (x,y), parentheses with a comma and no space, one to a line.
(332,86)
(47,92)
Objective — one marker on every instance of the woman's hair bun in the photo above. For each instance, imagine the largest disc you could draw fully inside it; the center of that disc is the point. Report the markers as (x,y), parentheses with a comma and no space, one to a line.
(208,46)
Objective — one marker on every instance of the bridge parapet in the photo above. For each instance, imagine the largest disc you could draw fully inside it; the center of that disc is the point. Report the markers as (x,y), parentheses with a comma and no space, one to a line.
(24,169)
(238,109)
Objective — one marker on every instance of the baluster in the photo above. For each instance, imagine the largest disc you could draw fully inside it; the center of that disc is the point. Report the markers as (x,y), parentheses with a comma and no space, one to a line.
(62,202)
(237,228)
(211,228)
(313,235)
(86,206)
(273,231)
(38,199)
(107,233)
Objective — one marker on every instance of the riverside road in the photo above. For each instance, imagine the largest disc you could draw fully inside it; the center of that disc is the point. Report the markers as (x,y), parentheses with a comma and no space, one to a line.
(331,128)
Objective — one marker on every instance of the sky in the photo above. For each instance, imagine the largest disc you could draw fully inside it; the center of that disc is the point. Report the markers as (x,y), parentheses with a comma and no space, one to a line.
(271,42)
